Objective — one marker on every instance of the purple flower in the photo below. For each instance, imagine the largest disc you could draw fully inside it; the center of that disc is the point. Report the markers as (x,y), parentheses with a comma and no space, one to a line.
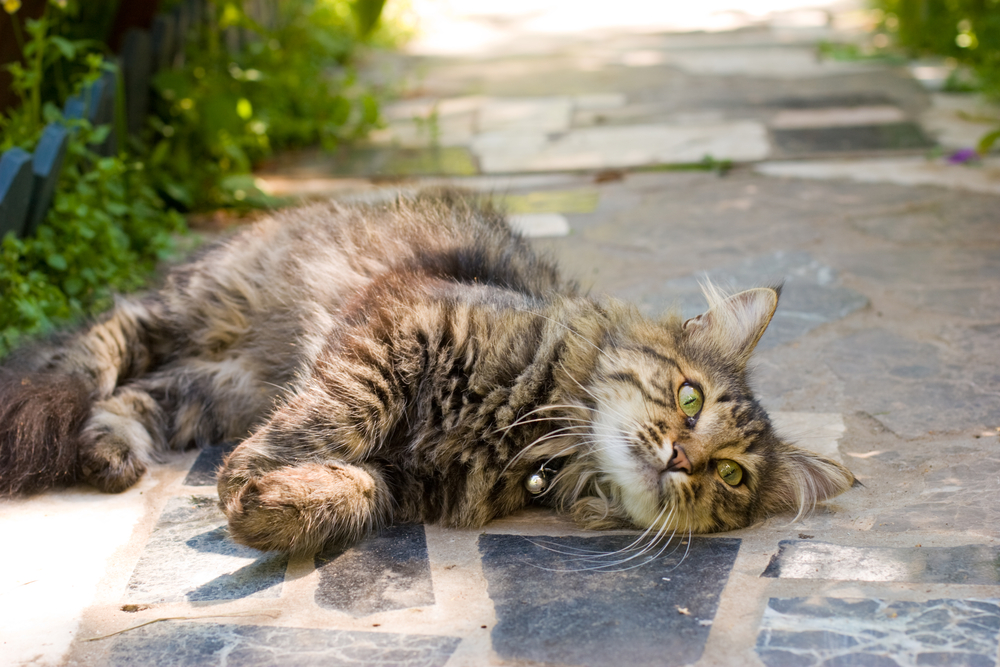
(963,156)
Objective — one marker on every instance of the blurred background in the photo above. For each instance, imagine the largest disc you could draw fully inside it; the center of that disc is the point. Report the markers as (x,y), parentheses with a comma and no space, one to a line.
(120,122)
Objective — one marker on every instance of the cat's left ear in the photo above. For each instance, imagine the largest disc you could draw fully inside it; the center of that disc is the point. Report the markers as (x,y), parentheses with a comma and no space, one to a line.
(733,325)
(801,479)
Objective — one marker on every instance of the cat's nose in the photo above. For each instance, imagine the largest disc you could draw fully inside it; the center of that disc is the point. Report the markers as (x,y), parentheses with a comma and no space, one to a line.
(679,461)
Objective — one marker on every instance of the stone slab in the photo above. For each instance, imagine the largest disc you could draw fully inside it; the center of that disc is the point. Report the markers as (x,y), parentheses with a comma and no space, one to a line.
(191,557)
(788,119)
(551,201)
(811,294)
(539,225)
(188,644)
(385,572)
(967,564)
(911,171)
(800,632)
(558,602)
(203,470)
(855,138)
(532,114)
(392,162)
(620,146)
(770,62)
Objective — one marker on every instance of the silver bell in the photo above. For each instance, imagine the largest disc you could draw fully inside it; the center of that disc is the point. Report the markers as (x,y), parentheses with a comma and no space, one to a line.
(536,482)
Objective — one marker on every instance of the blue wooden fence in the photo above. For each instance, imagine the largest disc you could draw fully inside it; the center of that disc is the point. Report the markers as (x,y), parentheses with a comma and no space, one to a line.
(28,180)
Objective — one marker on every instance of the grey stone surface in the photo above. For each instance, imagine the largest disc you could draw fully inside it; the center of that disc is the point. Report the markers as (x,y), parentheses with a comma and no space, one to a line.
(15,190)
(388,571)
(873,633)
(559,602)
(191,557)
(888,136)
(967,564)
(811,294)
(203,470)
(209,644)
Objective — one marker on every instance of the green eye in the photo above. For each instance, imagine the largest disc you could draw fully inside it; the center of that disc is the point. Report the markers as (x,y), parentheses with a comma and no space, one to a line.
(690,399)
(730,471)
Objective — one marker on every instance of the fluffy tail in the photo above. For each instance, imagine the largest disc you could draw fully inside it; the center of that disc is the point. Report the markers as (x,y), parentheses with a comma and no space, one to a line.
(46,394)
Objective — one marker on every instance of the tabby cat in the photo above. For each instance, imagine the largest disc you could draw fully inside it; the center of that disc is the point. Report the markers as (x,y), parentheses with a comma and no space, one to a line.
(414,361)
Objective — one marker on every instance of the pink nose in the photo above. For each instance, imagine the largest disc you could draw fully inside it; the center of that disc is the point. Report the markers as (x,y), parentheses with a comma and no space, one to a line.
(679,461)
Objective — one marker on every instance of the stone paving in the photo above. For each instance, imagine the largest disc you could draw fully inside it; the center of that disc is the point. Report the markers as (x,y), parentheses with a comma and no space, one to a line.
(883,354)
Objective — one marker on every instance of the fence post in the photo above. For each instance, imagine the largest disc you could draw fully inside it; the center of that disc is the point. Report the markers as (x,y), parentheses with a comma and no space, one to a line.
(137,65)
(15,190)
(46,166)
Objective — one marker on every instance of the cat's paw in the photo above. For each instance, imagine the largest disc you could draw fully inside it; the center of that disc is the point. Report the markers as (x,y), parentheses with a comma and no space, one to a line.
(303,508)
(593,513)
(108,462)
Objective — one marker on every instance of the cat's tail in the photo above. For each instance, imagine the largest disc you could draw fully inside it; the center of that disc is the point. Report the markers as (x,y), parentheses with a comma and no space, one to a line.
(47,391)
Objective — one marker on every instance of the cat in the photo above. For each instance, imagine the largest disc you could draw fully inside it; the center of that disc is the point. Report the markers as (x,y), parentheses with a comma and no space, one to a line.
(412,361)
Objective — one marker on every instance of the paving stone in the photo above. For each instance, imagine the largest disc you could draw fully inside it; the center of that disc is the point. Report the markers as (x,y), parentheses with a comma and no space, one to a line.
(533,114)
(208,644)
(837,632)
(385,572)
(959,120)
(539,225)
(203,470)
(551,201)
(445,160)
(190,556)
(967,564)
(858,138)
(781,62)
(959,492)
(554,607)
(906,384)
(811,294)
(620,146)
(788,119)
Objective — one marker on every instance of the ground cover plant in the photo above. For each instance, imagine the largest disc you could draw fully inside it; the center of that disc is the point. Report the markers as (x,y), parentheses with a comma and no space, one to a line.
(288,83)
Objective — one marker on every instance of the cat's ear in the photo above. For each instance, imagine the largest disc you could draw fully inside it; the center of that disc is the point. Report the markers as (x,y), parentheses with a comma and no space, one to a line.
(733,325)
(801,479)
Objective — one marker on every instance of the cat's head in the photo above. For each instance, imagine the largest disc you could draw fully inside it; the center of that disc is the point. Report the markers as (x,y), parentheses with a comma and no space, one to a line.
(678,436)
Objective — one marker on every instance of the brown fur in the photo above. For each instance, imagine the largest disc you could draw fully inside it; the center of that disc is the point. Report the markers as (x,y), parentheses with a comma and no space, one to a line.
(414,361)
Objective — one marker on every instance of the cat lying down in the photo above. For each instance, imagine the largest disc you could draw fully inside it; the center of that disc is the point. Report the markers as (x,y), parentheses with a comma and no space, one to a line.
(409,362)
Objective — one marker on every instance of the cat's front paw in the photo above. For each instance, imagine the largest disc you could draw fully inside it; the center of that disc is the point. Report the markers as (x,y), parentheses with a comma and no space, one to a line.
(108,462)
(301,509)
(593,513)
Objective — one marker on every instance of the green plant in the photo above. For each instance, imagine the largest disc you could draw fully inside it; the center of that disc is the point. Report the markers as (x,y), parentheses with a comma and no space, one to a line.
(965,31)
(106,228)
(223,111)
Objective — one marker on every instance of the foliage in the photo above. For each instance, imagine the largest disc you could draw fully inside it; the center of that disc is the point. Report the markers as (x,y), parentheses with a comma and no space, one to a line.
(289,85)
(106,228)
(967,31)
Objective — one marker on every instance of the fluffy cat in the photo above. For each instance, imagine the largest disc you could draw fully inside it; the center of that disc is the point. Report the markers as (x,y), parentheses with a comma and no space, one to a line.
(414,361)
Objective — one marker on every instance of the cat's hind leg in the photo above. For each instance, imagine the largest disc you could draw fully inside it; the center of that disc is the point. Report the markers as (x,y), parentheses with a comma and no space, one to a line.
(120,438)
(300,507)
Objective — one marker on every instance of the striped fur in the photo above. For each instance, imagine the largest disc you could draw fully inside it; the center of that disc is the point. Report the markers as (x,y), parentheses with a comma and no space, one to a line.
(414,361)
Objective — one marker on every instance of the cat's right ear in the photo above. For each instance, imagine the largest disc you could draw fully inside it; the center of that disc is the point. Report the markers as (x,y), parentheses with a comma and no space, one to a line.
(733,325)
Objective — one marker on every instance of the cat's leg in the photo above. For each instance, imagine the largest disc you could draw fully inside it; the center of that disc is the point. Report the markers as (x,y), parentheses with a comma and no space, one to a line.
(303,506)
(304,478)
(120,439)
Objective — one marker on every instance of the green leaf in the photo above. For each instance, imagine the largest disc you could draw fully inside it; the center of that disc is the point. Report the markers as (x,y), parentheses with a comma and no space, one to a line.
(65,46)
(57,262)
(986,142)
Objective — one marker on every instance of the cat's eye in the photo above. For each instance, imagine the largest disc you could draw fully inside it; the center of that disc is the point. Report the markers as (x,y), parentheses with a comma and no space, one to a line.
(730,472)
(690,399)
